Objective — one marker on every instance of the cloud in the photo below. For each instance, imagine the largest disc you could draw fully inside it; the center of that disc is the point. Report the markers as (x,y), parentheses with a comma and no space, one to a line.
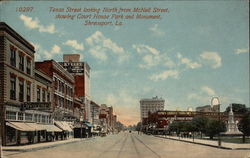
(31,23)
(54,51)
(74,44)
(240,51)
(141,48)
(188,62)
(212,58)
(101,47)
(164,75)
(156,30)
(152,57)
(208,90)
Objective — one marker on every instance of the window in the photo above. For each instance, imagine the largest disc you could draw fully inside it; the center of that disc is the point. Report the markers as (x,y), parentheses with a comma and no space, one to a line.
(28,68)
(13,87)
(21,90)
(20,116)
(38,94)
(28,117)
(48,96)
(43,119)
(13,57)
(21,62)
(36,117)
(10,115)
(28,92)
(44,95)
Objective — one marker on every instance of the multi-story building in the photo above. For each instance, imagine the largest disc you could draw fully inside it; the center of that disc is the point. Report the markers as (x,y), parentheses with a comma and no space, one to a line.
(208,108)
(151,105)
(20,108)
(95,112)
(81,72)
(63,89)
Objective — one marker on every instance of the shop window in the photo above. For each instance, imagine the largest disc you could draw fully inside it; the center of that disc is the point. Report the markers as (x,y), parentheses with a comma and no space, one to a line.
(21,91)
(13,87)
(21,62)
(13,57)
(10,115)
(43,119)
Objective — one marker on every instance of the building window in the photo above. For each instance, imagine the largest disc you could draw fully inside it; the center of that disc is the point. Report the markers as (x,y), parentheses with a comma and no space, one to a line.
(43,119)
(48,96)
(28,68)
(21,90)
(20,116)
(21,62)
(28,92)
(36,118)
(38,95)
(44,95)
(13,57)
(13,87)
(10,115)
(28,117)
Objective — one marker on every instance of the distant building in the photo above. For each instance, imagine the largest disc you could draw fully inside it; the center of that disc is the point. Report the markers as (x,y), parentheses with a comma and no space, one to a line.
(81,72)
(151,105)
(95,112)
(208,108)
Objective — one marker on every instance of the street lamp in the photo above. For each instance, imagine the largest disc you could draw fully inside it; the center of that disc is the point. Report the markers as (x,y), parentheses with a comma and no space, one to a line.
(81,121)
(216,102)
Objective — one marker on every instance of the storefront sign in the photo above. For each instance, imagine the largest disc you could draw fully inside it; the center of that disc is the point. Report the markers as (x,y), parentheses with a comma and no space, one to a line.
(36,106)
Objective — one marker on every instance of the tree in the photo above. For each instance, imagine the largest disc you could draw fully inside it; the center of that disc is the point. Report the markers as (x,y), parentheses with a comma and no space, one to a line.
(244,125)
(200,124)
(214,127)
(139,126)
(237,108)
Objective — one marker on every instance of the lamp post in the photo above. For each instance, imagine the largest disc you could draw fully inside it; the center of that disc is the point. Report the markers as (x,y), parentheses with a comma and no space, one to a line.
(216,102)
(81,121)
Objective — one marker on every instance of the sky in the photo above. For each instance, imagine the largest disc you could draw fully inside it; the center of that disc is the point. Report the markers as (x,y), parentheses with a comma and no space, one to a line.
(196,51)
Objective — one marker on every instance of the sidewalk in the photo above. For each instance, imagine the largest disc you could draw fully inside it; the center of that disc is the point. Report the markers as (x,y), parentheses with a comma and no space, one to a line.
(212,143)
(38,146)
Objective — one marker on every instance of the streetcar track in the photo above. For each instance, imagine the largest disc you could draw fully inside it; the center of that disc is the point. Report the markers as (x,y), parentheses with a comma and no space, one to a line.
(148,147)
(123,144)
(136,149)
(110,147)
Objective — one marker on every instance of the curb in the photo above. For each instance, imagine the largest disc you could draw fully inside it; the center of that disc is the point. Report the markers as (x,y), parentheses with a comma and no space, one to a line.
(214,146)
(45,147)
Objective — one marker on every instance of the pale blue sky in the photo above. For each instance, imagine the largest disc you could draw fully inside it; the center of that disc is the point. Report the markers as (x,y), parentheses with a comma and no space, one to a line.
(198,50)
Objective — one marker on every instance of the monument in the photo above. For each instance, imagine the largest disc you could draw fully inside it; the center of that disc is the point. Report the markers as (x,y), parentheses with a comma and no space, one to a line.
(232,128)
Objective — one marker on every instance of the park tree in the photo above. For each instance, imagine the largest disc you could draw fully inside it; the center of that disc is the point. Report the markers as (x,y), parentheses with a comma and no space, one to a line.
(244,125)
(238,108)
(214,127)
(200,124)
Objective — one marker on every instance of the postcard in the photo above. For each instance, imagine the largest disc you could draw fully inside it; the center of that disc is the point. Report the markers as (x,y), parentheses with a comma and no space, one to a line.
(124,79)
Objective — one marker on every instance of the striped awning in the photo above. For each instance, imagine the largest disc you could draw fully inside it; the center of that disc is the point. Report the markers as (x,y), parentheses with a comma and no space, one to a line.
(21,126)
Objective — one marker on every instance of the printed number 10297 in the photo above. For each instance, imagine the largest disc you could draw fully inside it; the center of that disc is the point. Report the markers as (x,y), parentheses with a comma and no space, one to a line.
(24,9)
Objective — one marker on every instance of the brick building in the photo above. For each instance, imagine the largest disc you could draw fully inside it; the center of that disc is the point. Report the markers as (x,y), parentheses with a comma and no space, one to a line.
(22,105)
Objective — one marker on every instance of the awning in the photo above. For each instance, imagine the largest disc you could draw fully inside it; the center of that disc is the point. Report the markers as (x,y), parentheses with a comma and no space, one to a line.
(37,127)
(88,124)
(52,128)
(64,125)
(21,126)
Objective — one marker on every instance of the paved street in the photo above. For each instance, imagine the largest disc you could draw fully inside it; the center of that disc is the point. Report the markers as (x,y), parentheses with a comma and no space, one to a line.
(130,145)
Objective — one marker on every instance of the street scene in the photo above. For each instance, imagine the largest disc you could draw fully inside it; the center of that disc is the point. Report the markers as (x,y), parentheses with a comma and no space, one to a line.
(131,145)
(127,79)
